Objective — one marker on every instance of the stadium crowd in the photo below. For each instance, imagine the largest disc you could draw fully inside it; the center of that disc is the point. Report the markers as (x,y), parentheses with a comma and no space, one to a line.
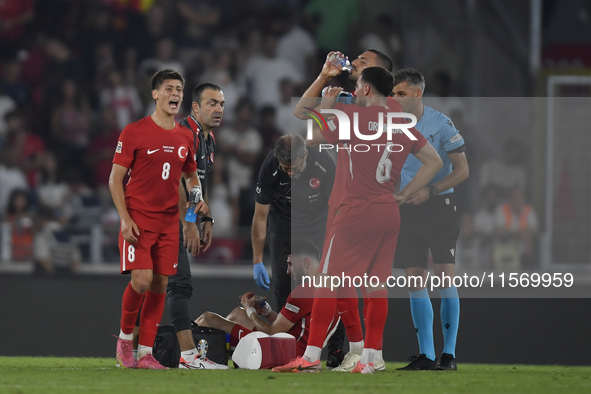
(74,73)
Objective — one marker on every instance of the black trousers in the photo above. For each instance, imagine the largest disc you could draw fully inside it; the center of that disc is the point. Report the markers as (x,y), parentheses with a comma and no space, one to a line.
(180,290)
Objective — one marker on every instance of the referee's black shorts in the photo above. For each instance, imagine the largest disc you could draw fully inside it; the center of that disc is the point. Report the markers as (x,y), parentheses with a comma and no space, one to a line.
(431,225)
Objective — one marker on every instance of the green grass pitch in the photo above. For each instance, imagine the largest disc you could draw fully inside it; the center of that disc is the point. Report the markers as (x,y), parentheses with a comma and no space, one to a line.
(50,375)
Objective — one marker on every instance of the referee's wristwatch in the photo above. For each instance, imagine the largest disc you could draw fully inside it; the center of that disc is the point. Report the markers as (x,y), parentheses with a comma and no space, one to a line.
(208,219)
(433,191)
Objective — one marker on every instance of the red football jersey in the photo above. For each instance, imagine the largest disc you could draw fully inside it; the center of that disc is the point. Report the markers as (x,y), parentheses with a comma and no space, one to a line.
(298,310)
(367,170)
(156,158)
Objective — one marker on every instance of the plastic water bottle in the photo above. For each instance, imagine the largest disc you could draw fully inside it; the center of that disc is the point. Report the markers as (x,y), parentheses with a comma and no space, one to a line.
(340,60)
(194,198)
(260,300)
(344,97)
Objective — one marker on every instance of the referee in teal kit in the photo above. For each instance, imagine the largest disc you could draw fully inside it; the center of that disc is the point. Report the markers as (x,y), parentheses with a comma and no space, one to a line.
(429,222)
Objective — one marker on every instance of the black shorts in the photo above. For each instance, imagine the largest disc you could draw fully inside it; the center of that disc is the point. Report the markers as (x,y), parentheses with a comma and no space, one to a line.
(432,225)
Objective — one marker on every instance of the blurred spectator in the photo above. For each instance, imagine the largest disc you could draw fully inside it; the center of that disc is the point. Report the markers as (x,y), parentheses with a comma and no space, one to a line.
(199,19)
(61,66)
(11,177)
(70,124)
(6,105)
(130,65)
(104,62)
(516,232)
(53,249)
(99,156)
(268,128)
(509,170)
(386,38)
(219,197)
(222,74)
(96,33)
(28,147)
(242,144)
(443,98)
(158,23)
(485,222)
(14,16)
(13,85)
(285,119)
(334,23)
(144,88)
(468,249)
(122,98)
(19,217)
(264,72)
(53,192)
(164,57)
(84,201)
(295,44)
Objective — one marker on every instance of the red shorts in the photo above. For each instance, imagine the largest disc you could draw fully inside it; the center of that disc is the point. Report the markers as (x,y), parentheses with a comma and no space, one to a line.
(154,251)
(362,240)
(239,332)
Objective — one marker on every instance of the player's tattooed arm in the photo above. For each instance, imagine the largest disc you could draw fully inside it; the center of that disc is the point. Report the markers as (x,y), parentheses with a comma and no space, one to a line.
(190,231)
(192,179)
(310,97)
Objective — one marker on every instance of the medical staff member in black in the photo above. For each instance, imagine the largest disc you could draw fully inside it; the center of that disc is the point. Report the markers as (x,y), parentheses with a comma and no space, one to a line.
(292,193)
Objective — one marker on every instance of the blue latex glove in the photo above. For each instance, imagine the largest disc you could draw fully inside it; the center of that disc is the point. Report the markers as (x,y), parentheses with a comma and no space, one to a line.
(260,276)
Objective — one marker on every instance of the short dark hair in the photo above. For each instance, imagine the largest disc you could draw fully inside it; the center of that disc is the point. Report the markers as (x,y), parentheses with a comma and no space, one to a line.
(305,247)
(202,87)
(290,147)
(163,75)
(385,60)
(410,75)
(379,78)
(11,207)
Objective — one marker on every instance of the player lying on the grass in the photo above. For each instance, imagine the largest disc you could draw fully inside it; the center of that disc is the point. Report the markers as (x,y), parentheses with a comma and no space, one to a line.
(303,259)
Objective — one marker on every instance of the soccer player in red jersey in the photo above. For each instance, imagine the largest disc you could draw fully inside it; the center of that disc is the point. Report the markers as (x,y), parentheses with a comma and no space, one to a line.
(155,151)
(363,225)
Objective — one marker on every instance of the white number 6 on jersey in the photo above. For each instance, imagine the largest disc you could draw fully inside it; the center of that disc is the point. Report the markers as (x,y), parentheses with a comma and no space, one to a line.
(384,165)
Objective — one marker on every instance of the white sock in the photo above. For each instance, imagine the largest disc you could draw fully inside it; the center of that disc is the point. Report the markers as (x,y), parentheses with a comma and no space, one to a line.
(312,353)
(143,351)
(356,347)
(189,355)
(135,354)
(127,337)
(367,356)
(378,356)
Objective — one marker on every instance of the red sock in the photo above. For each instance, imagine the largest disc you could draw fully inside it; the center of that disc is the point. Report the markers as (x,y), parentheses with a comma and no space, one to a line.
(377,313)
(132,302)
(349,303)
(323,311)
(150,318)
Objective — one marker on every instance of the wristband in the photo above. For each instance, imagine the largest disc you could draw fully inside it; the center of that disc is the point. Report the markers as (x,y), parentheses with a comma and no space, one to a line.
(207,219)
(250,310)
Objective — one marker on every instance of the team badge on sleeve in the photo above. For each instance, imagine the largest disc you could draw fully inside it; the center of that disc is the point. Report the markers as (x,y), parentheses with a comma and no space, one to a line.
(119,147)
(455,138)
